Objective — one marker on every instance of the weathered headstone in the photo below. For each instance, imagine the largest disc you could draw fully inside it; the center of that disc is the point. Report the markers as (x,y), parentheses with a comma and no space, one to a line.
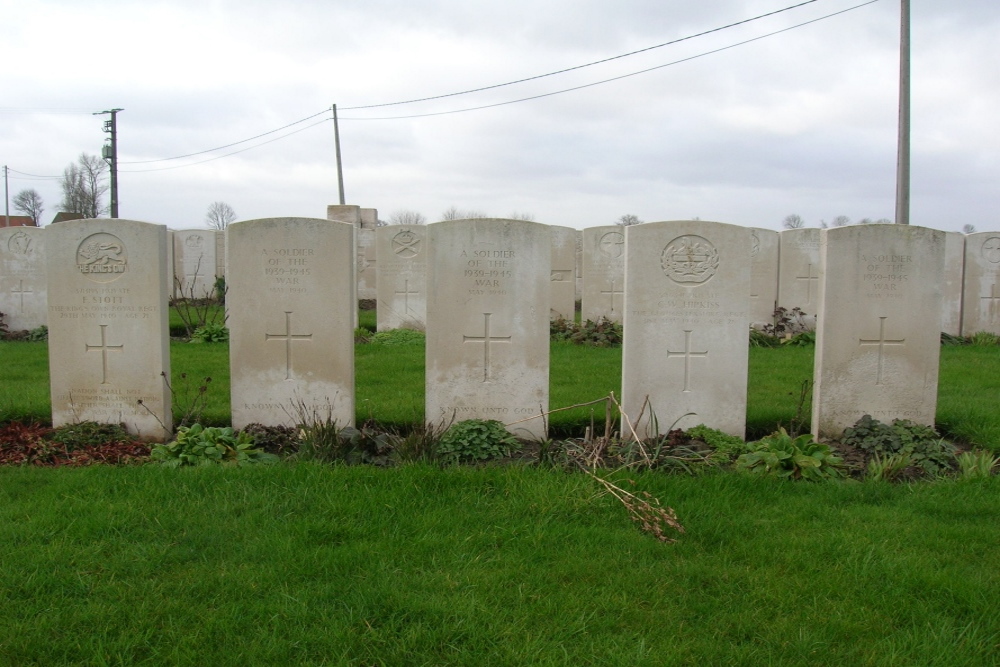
(401,251)
(981,307)
(367,264)
(344,213)
(951,295)
(563,284)
(685,352)
(603,273)
(369,218)
(763,276)
(23,277)
(220,253)
(195,263)
(291,298)
(488,323)
(878,341)
(798,272)
(109,359)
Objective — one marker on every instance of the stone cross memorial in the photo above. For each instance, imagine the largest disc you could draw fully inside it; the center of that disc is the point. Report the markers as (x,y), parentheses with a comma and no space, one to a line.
(878,341)
(603,269)
(22,277)
(685,353)
(401,252)
(109,358)
(563,283)
(291,301)
(981,309)
(488,323)
(798,272)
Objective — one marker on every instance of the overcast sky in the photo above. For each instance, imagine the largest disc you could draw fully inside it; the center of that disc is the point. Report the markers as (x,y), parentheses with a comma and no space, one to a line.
(799,122)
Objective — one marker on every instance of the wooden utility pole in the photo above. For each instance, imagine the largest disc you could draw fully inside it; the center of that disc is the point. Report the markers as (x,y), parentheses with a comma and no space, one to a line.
(903,147)
(340,169)
(110,155)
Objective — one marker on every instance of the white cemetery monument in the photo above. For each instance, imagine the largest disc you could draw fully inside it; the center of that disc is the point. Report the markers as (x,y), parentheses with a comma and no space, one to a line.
(563,282)
(603,268)
(367,263)
(878,341)
(488,323)
(763,276)
(401,251)
(981,307)
(954,272)
(798,272)
(685,353)
(291,301)
(108,340)
(196,262)
(23,281)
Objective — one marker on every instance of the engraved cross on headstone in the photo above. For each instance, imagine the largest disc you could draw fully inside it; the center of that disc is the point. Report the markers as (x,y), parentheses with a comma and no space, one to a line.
(406,292)
(288,337)
(991,302)
(104,348)
(687,354)
(20,291)
(882,341)
(486,339)
(809,278)
(612,292)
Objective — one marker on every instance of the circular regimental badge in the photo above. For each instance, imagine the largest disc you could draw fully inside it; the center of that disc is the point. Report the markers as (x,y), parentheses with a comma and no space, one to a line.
(102,258)
(690,260)
(406,244)
(991,249)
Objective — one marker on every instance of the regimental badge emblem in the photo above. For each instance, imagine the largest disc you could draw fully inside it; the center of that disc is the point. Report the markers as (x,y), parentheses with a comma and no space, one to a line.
(612,244)
(406,244)
(690,260)
(19,243)
(991,250)
(754,243)
(195,241)
(102,258)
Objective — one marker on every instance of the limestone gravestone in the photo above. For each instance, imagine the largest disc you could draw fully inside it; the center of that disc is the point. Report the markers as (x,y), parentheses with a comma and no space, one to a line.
(23,291)
(220,253)
(954,272)
(367,263)
(981,307)
(108,340)
(344,213)
(488,323)
(563,282)
(401,252)
(798,272)
(603,273)
(290,301)
(763,276)
(685,352)
(195,263)
(878,341)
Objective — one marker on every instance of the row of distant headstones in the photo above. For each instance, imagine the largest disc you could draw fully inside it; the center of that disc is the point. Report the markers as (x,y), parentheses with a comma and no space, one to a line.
(487,312)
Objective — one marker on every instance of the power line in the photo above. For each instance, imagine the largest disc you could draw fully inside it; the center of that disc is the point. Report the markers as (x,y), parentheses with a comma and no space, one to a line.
(34,177)
(617,78)
(576,67)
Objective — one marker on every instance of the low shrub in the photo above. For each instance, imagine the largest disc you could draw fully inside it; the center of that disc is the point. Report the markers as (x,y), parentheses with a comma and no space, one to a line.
(398,337)
(780,455)
(925,448)
(475,440)
(199,445)
(214,332)
(602,333)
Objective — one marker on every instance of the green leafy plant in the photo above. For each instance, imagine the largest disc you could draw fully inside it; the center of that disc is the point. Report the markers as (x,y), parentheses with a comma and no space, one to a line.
(984,339)
(398,337)
(602,333)
(199,445)
(781,455)
(3,326)
(887,468)
(725,448)
(785,322)
(475,440)
(214,332)
(88,434)
(39,334)
(801,339)
(949,339)
(977,464)
(280,440)
(922,443)
(760,339)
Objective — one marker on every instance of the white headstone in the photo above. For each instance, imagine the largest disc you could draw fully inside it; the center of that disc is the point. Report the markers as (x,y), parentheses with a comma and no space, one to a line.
(763,276)
(195,263)
(798,272)
(603,273)
(981,308)
(563,284)
(23,281)
(954,271)
(344,213)
(488,323)
(291,303)
(686,324)
(367,264)
(879,335)
(401,251)
(108,340)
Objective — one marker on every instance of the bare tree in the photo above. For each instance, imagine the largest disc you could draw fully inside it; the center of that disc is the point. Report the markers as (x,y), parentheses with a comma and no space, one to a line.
(968,229)
(883,221)
(29,202)
(407,217)
(84,185)
(219,215)
(840,221)
(793,221)
(453,213)
(628,220)
(516,215)
(865,221)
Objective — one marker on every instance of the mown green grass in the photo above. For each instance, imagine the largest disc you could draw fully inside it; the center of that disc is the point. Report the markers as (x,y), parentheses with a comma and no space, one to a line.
(415,565)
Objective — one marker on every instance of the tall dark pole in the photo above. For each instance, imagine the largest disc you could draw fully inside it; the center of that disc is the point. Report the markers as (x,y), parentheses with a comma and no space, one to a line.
(903,149)
(110,155)
(340,168)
